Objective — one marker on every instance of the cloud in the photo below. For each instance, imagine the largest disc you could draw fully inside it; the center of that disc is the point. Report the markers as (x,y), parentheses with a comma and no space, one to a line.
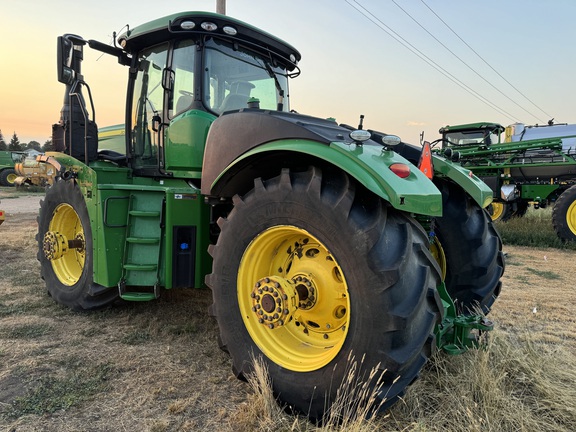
(415,123)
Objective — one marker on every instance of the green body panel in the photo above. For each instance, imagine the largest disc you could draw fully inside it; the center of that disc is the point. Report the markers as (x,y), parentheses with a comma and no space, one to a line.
(8,159)
(110,192)
(369,165)
(465,178)
(185,142)
(539,192)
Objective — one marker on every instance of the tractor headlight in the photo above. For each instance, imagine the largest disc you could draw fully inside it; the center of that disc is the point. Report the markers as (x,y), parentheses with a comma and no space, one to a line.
(360,135)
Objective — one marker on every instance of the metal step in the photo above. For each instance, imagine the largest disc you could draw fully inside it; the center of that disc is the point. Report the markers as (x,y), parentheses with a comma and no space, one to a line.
(138,296)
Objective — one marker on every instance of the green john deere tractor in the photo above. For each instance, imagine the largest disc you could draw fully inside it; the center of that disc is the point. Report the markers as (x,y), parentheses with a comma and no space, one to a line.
(318,240)
(7,161)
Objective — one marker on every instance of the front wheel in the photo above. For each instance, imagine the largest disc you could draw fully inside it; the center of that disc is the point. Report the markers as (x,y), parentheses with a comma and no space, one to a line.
(307,272)
(65,249)
(564,215)
(8,177)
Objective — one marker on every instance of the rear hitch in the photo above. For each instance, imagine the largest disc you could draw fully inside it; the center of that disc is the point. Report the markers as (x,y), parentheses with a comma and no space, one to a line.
(456,334)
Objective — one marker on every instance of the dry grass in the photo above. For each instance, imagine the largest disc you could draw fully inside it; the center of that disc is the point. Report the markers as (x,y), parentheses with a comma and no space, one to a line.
(157,367)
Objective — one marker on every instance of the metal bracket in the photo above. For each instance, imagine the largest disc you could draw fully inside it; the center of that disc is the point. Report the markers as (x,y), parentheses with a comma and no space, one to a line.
(456,334)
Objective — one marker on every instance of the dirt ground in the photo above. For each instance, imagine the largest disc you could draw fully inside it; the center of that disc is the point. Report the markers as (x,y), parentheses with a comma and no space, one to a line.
(24,204)
(160,361)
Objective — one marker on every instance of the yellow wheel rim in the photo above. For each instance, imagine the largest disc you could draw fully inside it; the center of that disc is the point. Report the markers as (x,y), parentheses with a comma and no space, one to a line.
(438,253)
(11,178)
(497,211)
(64,230)
(571,217)
(293,298)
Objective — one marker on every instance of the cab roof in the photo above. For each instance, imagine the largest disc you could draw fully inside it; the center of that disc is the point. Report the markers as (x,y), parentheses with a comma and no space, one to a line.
(170,27)
(471,127)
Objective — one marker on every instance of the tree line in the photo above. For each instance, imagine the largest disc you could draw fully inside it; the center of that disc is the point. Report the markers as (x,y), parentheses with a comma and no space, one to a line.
(15,145)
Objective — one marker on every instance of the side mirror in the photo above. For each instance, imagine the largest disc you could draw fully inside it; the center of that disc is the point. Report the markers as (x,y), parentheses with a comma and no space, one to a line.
(64,59)
(69,57)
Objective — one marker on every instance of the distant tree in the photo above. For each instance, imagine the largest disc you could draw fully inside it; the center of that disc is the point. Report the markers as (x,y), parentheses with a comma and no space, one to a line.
(14,143)
(48,146)
(3,145)
(34,145)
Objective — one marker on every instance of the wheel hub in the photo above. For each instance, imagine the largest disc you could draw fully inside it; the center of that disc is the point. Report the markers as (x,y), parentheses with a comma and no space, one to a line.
(274,301)
(55,245)
(293,298)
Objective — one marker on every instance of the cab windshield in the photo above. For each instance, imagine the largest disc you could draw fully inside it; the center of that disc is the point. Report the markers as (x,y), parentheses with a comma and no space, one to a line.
(234,74)
(472,137)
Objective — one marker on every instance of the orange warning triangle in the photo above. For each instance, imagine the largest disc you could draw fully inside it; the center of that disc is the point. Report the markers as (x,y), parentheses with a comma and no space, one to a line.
(425,164)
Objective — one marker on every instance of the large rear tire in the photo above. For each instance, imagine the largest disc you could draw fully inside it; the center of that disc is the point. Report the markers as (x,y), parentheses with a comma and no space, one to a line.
(306,272)
(564,215)
(65,249)
(472,249)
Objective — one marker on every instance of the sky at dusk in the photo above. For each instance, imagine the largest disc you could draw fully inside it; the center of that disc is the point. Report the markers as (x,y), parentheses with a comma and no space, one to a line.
(522,63)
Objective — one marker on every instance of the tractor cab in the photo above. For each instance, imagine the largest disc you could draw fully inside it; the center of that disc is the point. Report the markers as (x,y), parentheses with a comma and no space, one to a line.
(185,71)
(483,134)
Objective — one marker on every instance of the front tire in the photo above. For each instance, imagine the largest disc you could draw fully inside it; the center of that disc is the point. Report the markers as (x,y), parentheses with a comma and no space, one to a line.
(350,276)
(65,249)
(472,248)
(7,177)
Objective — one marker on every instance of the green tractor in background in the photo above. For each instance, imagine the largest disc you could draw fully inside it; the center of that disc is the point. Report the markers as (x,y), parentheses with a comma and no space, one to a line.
(7,161)
(523,165)
(319,241)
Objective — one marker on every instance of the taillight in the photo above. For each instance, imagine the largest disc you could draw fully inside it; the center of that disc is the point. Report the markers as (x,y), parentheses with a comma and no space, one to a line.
(400,169)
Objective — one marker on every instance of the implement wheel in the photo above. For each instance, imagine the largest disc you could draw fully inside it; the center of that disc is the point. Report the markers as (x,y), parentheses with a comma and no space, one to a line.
(472,250)
(65,249)
(7,177)
(308,272)
(564,215)
(500,211)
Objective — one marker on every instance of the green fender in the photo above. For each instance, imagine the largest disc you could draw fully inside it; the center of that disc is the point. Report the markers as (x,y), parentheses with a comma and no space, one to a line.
(465,178)
(368,164)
